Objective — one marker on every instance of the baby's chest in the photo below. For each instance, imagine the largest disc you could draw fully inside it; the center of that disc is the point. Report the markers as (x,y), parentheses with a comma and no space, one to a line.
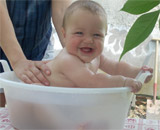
(92,66)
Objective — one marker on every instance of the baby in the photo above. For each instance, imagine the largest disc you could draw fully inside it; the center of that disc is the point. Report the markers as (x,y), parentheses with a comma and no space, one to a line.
(84,30)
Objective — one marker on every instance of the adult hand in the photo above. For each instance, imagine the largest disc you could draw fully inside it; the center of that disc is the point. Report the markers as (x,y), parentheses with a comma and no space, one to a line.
(32,71)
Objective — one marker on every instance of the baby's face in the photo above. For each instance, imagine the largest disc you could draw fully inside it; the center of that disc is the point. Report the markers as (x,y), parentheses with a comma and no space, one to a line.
(84,35)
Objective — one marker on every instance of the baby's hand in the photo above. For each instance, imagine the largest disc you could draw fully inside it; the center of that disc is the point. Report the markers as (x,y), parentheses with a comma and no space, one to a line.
(133,84)
(144,69)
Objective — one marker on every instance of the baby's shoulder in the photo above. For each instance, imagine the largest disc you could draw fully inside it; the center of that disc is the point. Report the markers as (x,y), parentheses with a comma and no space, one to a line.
(66,57)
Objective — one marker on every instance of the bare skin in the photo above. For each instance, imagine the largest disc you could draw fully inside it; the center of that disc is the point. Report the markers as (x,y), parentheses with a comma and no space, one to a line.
(69,71)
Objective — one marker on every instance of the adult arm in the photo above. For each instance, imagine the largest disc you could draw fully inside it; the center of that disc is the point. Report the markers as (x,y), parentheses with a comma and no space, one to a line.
(28,71)
(58,9)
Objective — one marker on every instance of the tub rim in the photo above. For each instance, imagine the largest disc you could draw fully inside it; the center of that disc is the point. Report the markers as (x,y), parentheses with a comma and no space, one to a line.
(5,82)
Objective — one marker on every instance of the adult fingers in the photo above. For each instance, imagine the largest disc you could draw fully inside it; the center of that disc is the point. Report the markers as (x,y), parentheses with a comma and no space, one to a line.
(46,61)
(32,77)
(25,79)
(43,67)
(40,78)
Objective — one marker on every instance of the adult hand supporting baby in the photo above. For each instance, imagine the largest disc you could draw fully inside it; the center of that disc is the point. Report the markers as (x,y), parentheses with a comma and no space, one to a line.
(32,71)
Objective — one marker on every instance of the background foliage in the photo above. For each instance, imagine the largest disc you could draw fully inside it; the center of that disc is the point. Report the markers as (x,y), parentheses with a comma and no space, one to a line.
(144,24)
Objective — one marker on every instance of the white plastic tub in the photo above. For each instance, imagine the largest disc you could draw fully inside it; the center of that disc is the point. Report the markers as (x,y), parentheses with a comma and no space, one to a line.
(35,107)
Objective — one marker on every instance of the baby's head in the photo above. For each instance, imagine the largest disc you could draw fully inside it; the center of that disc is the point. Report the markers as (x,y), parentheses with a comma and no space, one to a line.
(84,29)
(87,5)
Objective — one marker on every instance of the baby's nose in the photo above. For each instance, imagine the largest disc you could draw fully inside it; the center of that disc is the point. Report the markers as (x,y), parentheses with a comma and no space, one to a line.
(88,39)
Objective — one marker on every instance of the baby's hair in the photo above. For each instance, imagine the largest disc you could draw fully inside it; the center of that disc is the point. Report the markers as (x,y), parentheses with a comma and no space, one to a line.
(89,5)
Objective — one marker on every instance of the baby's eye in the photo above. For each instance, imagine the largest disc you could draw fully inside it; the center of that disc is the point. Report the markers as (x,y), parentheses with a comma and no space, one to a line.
(79,33)
(97,35)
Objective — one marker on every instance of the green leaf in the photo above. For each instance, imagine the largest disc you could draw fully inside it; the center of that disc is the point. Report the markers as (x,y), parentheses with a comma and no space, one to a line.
(139,6)
(140,30)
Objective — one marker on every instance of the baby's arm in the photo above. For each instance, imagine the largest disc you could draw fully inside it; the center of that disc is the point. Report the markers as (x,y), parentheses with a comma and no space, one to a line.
(122,68)
(118,68)
(83,77)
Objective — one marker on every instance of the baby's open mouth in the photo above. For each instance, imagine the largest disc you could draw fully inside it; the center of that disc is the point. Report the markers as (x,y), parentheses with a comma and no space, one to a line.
(86,49)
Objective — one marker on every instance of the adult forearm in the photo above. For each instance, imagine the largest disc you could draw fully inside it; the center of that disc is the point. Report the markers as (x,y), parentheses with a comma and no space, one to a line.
(8,40)
(58,9)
